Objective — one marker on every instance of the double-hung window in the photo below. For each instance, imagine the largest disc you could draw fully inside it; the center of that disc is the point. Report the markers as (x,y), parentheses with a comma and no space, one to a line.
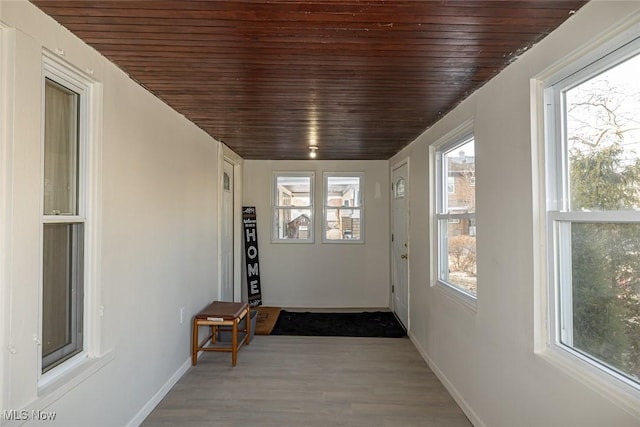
(593,214)
(293,207)
(343,207)
(64,216)
(456,215)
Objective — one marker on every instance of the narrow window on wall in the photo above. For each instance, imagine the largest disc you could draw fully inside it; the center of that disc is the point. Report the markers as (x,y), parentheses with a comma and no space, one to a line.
(593,174)
(343,208)
(456,216)
(64,219)
(293,207)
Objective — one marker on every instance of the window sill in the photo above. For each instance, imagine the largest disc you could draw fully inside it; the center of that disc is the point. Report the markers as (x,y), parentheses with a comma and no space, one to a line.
(293,242)
(61,384)
(458,295)
(619,392)
(344,241)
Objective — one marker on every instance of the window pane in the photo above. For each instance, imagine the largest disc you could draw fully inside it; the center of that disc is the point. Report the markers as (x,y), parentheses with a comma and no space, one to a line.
(343,191)
(456,212)
(399,193)
(62,288)
(293,190)
(605,276)
(60,150)
(460,179)
(603,139)
(451,183)
(293,224)
(459,266)
(343,224)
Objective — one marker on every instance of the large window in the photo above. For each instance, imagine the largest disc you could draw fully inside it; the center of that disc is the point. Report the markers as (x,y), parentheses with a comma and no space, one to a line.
(64,217)
(593,219)
(343,208)
(456,215)
(293,207)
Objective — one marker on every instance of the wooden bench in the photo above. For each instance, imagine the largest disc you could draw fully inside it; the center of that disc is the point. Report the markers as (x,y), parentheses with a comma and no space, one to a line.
(221,314)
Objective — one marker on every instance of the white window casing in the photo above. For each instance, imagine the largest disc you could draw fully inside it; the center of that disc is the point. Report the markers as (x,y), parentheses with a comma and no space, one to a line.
(84,220)
(453,216)
(343,214)
(557,335)
(292,213)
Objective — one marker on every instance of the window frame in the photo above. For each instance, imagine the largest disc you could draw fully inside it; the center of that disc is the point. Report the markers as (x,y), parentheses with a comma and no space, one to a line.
(457,137)
(555,324)
(276,207)
(88,194)
(359,207)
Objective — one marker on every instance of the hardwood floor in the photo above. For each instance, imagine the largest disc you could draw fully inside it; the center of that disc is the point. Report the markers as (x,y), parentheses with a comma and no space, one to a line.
(311,381)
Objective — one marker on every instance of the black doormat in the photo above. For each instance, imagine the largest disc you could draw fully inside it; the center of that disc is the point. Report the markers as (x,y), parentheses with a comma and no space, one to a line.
(365,324)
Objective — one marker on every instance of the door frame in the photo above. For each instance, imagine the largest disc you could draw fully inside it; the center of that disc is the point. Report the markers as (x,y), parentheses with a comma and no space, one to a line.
(237,223)
(7,56)
(397,165)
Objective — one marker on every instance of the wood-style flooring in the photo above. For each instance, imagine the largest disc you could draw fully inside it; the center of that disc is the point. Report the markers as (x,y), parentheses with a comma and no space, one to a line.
(311,381)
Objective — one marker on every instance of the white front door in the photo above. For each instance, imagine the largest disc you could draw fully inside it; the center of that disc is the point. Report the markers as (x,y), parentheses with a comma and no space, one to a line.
(400,243)
(227,233)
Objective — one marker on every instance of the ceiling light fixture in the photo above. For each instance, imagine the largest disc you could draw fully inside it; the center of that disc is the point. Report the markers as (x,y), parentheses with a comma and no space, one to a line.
(312,151)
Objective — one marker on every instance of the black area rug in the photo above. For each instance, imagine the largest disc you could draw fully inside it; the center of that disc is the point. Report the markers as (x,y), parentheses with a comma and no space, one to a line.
(365,324)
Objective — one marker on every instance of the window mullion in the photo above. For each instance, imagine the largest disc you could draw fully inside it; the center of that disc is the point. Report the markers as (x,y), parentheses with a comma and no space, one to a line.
(443,239)
(55,219)
(565,297)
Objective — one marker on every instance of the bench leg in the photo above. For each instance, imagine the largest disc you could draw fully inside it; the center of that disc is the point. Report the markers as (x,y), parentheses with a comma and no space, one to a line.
(248,323)
(234,342)
(194,343)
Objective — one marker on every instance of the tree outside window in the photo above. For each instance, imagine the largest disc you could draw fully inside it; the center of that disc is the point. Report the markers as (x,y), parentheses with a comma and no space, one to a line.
(598,219)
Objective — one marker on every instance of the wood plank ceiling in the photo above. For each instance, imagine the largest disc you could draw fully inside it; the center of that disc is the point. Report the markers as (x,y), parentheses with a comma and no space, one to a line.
(359,79)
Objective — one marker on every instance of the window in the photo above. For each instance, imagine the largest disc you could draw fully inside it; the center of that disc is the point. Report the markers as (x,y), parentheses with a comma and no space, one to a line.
(400,188)
(343,208)
(593,219)
(64,216)
(293,207)
(456,215)
(451,184)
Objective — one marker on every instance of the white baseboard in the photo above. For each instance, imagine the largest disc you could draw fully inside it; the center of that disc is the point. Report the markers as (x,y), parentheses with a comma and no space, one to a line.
(335,309)
(468,411)
(153,402)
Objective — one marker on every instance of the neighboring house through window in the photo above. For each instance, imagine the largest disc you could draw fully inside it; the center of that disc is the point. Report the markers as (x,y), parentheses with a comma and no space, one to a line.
(456,215)
(343,207)
(293,207)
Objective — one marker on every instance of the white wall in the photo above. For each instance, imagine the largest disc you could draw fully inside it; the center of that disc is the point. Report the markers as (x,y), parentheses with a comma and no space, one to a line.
(159,234)
(159,244)
(486,357)
(323,275)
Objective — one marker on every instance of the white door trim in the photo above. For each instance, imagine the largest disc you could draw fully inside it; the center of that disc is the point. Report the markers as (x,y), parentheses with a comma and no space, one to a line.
(227,238)
(237,223)
(237,228)
(395,166)
(6,170)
